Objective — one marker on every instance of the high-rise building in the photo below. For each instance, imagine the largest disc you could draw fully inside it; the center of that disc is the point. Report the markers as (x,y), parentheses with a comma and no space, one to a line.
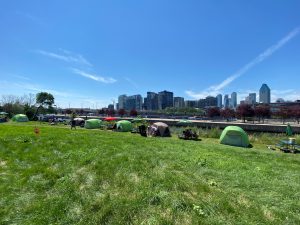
(201,103)
(226,101)
(191,103)
(233,100)
(134,102)
(252,98)
(122,101)
(211,101)
(265,94)
(152,101)
(165,99)
(219,100)
(178,102)
(111,107)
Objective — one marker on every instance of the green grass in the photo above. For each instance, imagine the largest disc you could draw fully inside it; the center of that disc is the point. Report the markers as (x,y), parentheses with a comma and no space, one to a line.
(84,176)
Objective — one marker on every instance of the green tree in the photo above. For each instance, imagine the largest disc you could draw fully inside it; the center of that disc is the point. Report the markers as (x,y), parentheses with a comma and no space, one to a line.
(44,99)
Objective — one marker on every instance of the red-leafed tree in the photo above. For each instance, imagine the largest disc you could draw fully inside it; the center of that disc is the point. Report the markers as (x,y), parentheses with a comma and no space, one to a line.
(244,110)
(122,112)
(133,113)
(111,112)
(262,112)
(101,111)
(284,113)
(213,112)
(227,113)
(296,113)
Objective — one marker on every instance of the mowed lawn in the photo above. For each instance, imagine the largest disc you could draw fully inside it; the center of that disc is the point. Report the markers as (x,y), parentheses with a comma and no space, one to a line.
(83,176)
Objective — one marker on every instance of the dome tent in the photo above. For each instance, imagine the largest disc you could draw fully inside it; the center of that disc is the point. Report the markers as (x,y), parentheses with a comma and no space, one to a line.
(124,126)
(20,118)
(235,136)
(92,124)
(79,121)
(184,123)
(160,129)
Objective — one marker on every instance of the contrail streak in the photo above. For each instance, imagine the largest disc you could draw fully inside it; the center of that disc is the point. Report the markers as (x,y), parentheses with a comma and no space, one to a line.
(264,55)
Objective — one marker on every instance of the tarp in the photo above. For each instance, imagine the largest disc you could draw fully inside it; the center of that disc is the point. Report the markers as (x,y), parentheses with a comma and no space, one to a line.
(92,124)
(289,131)
(20,118)
(124,126)
(110,119)
(235,136)
(163,129)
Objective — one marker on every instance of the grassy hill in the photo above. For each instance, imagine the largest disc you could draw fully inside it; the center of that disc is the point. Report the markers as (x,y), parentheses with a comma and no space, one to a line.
(98,177)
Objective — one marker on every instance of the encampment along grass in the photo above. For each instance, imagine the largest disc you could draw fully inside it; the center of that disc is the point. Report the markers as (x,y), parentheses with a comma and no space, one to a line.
(64,176)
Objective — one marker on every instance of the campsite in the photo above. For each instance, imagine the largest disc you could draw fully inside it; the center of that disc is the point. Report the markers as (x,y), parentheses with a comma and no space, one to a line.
(96,176)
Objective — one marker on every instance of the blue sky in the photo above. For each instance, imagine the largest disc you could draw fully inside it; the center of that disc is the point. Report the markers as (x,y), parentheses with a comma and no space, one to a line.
(86,53)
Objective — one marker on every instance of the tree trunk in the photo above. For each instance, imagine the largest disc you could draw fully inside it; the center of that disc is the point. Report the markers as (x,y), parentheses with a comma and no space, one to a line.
(36,112)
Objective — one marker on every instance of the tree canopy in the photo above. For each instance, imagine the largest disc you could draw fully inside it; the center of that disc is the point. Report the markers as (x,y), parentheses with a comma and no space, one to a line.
(44,99)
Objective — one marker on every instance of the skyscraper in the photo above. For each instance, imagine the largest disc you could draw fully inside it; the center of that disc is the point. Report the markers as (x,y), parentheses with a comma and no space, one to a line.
(178,102)
(252,98)
(152,101)
(265,94)
(219,100)
(226,101)
(165,99)
(134,102)
(233,100)
(211,101)
(122,101)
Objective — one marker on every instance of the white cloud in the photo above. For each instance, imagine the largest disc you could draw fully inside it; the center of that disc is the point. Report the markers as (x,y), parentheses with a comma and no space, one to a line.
(287,95)
(62,98)
(66,56)
(201,95)
(106,80)
(213,90)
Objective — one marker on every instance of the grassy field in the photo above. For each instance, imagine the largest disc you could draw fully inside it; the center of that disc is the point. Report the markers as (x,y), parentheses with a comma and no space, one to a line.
(84,176)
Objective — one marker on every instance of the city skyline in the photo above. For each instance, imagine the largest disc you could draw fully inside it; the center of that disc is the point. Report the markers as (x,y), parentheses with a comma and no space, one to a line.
(88,54)
(156,101)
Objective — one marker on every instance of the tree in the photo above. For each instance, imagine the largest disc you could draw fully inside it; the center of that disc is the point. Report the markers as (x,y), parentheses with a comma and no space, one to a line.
(296,113)
(245,110)
(121,112)
(101,111)
(29,111)
(68,111)
(44,99)
(133,113)
(227,113)
(213,112)
(284,113)
(111,112)
(262,112)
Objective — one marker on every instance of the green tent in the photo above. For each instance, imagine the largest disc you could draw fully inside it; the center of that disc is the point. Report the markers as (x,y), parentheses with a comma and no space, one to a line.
(92,124)
(124,126)
(184,123)
(289,131)
(20,118)
(235,136)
